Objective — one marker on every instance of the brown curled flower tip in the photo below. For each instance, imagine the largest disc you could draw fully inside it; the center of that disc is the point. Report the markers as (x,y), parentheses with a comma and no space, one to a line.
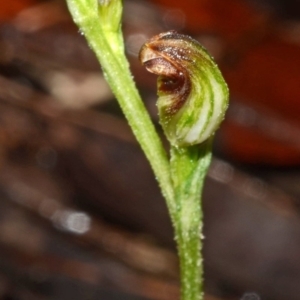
(193,95)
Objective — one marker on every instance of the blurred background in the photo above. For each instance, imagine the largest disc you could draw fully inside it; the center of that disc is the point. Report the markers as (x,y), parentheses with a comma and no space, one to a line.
(81,216)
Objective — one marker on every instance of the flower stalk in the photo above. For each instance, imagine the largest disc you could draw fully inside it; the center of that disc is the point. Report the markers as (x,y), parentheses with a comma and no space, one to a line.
(189,166)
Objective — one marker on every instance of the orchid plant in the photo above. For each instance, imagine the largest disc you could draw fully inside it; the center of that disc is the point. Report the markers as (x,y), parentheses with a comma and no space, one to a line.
(193,98)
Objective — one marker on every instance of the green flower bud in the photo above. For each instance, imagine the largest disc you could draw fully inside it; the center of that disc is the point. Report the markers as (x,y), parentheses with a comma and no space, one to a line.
(99,17)
(193,95)
(110,13)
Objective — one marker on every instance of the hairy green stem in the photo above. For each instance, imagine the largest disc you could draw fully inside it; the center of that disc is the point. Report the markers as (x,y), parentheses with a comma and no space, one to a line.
(189,168)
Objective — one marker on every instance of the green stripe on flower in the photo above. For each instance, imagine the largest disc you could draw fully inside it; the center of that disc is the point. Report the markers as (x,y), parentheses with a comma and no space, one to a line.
(193,96)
